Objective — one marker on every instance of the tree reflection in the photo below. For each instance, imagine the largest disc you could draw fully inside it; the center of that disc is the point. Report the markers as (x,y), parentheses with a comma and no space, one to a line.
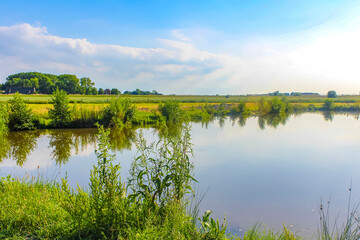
(4,146)
(122,138)
(20,145)
(61,141)
(328,115)
(272,120)
(239,118)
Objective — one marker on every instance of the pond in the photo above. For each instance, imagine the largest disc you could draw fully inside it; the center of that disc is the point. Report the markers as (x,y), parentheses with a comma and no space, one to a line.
(269,171)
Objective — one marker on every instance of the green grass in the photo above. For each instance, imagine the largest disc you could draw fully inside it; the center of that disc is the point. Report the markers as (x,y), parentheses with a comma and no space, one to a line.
(43,99)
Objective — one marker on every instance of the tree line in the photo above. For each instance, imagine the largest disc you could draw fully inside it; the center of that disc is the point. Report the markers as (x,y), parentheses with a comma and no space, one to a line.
(45,83)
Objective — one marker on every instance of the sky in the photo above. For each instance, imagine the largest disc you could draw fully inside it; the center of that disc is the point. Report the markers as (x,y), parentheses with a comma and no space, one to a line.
(187,47)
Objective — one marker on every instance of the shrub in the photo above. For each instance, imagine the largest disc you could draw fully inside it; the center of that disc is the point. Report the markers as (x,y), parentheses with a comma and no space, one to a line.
(60,113)
(20,116)
(171,111)
(119,112)
(328,104)
(4,118)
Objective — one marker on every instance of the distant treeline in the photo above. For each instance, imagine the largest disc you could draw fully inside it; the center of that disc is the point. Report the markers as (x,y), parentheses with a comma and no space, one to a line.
(45,83)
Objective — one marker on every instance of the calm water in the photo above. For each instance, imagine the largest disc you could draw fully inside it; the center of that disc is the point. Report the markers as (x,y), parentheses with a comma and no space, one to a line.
(272,171)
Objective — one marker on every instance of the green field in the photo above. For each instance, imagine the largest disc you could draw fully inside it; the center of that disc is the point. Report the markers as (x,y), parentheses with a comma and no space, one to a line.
(43,99)
(40,103)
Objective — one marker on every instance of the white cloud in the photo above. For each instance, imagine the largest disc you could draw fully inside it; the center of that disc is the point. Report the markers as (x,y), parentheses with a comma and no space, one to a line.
(325,60)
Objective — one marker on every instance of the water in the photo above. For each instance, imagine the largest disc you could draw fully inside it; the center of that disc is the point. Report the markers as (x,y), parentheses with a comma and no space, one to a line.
(272,171)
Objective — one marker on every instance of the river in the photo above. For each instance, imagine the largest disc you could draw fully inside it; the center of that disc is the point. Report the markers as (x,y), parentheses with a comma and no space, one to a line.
(252,170)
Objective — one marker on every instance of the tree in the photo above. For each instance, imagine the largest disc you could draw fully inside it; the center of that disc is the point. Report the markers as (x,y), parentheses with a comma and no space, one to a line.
(20,116)
(115,91)
(329,104)
(87,85)
(101,91)
(60,113)
(331,94)
(69,83)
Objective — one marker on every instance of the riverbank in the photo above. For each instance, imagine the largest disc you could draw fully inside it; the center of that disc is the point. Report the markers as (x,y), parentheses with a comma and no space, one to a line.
(38,111)
(154,203)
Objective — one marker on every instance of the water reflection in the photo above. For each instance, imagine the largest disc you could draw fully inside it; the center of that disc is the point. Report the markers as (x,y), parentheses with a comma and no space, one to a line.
(18,145)
(328,115)
(66,142)
(272,120)
(272,176)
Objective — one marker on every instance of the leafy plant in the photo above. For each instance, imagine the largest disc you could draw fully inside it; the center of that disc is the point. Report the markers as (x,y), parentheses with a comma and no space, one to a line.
(328,104)
(163,172)
(119,112)
(20,116)
(60,113)
(4,118)
(171,111)
(211,227)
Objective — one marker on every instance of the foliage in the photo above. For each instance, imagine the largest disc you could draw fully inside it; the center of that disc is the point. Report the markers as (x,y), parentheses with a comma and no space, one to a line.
(139,92)
(328,104)
(20,116)
(101,91)
(241,109)
(115,91)
(101,210)
(163,172)
(60,113)
(274,106)
(331,94)
(211,227)
(87,86)
(46,83)
(19,82)
(4,118)
(171,111)
(119,112)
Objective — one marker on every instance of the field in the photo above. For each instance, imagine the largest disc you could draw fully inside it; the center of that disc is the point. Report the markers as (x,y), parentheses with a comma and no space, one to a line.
(40,103)
(43,99)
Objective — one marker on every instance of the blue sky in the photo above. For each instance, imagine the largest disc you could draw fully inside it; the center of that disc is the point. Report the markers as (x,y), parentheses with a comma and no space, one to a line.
(220,46)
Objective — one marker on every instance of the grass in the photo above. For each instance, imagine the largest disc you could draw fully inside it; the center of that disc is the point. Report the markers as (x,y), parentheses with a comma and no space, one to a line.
(43,99)
(152,204)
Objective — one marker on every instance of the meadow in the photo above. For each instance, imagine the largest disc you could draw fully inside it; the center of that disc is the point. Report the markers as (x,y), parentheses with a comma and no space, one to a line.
(40,103)
(101,99)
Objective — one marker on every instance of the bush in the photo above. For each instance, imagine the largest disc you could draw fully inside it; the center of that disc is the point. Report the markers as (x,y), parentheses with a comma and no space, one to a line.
(20,116)
(274,106)
(328,104)
(171,111)
(60,113)
(4,118)
(119,113)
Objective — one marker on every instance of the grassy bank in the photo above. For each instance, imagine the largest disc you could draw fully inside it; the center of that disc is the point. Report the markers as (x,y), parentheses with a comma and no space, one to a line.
(24,113)
(154,203)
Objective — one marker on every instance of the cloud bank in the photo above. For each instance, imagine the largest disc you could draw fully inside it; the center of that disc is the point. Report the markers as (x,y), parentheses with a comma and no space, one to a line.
(179,66)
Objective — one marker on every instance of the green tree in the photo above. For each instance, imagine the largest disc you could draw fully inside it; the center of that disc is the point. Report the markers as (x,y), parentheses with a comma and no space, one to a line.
(60,113)
(69,83)
(329,104)
(87,85)
(115,91)
(331,94)
(101,91)
(20,116)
